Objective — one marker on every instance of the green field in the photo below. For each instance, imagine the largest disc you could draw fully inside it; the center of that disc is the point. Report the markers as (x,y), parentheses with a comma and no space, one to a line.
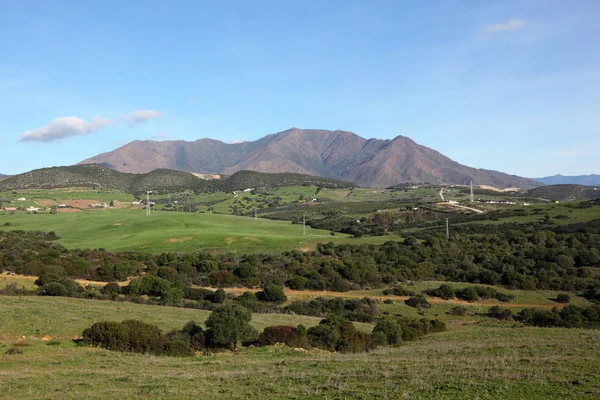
(483,360)
(128,229)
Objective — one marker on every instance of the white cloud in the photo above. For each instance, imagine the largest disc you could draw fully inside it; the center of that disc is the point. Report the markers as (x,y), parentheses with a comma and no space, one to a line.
(141,116)
(63,127)
(511,25)
(160,136)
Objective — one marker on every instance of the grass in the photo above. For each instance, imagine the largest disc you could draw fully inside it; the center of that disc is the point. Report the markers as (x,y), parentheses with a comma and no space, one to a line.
(34,317)
(485,360)
(129,229)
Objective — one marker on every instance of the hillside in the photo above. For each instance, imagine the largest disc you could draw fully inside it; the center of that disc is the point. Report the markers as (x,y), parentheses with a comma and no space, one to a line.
(97,176)
(588,180)
(333,154)
(565,192)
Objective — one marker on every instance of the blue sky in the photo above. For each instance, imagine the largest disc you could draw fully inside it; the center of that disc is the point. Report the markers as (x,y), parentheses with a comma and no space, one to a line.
(506,85)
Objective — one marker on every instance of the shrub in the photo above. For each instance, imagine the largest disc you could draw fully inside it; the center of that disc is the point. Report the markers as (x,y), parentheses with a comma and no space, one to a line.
(398,291)
(563,298)
(458,310)
(111,288)
(14,350)
(297,283)
(417,302)
(12,289)
(54,289)
(336,334)
(446,292)
(468,294)
(53,342)
(500,313)
(277,334)
(128,336)
(387,332)
(272,293)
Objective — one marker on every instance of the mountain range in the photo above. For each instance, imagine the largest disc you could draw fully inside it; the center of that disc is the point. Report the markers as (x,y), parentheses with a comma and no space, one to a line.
(587,180)
(333,154)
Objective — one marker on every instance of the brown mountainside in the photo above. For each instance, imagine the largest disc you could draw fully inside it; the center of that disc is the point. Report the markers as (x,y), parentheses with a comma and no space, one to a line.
(333,154)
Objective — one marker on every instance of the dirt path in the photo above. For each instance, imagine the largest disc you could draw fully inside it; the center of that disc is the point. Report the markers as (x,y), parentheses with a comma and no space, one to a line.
(311,294)
(307,294)
(441,193)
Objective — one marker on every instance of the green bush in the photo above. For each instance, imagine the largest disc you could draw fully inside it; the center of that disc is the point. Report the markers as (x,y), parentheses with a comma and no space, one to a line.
(387,332)
(272,293)
(336,334)
(54,289)
(563,298)
(277,334)
(398,291)
(297,282)
(228,325)
(417,302)
(500,313)
(458,310)
(111,288)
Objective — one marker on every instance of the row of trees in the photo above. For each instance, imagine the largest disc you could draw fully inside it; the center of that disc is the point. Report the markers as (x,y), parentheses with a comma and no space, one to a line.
(228,327)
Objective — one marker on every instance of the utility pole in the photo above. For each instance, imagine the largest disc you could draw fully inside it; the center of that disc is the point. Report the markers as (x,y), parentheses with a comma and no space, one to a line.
(472,197)
(304,224)
(255,214)
(447,230)
(148,202)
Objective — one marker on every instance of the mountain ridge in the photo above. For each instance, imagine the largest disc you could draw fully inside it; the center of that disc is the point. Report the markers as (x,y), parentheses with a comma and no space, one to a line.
(98,176)
(334,154)
(587,180)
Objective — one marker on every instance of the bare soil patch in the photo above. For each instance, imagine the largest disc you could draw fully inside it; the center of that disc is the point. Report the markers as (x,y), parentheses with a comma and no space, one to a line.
(179,240)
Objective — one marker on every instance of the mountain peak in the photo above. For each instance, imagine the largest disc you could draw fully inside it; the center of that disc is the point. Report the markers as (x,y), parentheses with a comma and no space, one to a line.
(333,154)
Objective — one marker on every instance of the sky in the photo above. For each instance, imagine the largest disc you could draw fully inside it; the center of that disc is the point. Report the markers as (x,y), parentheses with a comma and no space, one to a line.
(507,85)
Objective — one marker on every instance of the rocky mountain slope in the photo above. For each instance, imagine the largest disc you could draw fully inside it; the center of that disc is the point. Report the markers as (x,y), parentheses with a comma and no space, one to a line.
(333,154)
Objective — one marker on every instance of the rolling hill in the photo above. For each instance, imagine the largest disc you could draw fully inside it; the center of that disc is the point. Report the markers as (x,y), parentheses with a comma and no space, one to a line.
(588,180)
(333,154)
(93,175)
(565,192)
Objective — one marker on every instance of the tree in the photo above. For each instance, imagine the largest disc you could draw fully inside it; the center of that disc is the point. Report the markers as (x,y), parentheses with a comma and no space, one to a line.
(272,293)
(228,325)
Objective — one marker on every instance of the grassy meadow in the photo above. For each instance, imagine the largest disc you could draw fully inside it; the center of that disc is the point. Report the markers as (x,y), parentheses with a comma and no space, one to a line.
(474,359)
(163,231)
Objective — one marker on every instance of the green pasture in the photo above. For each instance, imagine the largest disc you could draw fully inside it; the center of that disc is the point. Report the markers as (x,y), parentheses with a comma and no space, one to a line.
(58,195)
(472,360)
(129,229)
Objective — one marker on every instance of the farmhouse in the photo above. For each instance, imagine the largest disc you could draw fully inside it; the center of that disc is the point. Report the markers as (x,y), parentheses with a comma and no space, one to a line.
(10,209)
(33,209)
